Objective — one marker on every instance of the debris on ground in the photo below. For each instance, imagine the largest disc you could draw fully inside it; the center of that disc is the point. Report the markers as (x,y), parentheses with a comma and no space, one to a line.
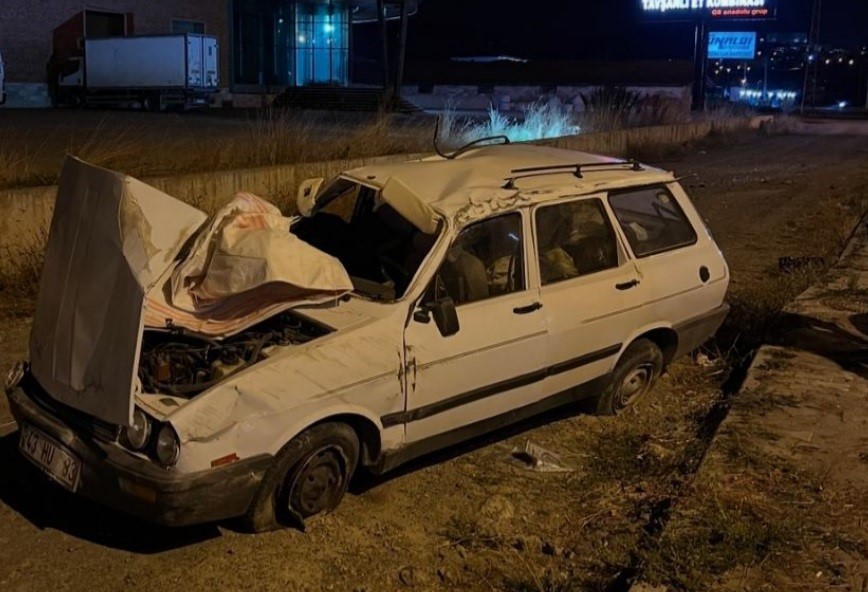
(537,458)
(793,264)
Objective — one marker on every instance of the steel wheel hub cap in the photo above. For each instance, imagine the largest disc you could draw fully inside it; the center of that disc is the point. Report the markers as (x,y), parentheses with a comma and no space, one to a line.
(319,483)
(634,385)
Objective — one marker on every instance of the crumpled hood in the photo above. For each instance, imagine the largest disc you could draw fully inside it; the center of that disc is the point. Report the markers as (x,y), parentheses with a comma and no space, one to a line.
(111,238)
(112,267)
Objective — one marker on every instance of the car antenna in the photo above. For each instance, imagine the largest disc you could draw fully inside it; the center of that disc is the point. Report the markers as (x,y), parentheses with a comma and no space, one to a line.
(436,137)
(502,138)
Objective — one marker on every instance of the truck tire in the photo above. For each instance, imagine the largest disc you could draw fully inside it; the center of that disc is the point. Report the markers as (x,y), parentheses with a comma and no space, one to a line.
(635,374)
(310,476)
(151,102)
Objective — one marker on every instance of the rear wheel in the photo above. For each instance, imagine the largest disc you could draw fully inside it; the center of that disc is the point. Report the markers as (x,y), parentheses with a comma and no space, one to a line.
(310,476)
(635,374)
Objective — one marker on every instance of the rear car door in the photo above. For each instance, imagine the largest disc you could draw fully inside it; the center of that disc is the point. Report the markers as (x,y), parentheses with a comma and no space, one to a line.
(590,292)
(495,362)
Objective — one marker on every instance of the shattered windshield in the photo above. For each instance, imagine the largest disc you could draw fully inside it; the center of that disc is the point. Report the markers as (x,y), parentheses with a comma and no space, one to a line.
(380,249)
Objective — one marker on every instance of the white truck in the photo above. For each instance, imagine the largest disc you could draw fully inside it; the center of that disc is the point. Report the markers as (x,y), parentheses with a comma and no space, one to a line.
(153,71)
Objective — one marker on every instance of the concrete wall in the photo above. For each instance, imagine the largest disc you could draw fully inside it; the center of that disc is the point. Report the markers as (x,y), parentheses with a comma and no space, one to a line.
(519,98)
(25,214)
(26,28)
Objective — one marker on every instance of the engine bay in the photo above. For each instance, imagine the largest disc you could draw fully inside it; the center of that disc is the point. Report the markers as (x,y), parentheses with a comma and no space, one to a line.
(181,363)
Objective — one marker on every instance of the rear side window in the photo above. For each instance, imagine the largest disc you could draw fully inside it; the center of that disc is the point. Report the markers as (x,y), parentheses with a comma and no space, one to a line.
(652,220)
(574,239)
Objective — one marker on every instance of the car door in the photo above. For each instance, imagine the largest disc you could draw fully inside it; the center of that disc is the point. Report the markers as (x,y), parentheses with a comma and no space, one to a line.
(589,289)
(494,363)
(683,273)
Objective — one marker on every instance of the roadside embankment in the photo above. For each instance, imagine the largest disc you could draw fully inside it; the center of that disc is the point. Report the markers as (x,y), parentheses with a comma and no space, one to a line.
(780,499)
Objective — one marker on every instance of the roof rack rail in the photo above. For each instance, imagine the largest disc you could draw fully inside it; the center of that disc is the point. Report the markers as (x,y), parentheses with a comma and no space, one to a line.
(575,169)
(466,147)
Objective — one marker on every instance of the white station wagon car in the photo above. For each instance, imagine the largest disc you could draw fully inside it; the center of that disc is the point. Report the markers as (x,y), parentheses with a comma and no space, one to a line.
(189,369)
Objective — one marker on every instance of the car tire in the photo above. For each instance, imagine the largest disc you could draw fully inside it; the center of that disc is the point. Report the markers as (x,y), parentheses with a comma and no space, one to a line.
(635,374)
(310,476)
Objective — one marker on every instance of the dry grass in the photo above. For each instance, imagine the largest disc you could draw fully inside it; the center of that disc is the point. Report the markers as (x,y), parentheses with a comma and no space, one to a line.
(20,274)
(544,119)
(752,515)
(142,146)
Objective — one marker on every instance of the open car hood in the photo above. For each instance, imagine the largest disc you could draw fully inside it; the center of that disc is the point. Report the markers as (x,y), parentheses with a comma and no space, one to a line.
(112,267)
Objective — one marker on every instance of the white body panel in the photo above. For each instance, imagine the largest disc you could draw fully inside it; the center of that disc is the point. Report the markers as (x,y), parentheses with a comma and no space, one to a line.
(357,370)
(671,284)
(165,61)
(494,345)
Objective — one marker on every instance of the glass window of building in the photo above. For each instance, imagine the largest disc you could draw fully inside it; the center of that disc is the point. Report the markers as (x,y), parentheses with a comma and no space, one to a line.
(290,42)
(322,43)
(180,26)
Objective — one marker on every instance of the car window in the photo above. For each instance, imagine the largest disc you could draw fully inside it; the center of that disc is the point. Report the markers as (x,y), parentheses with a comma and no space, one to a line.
(652,220)
(485,260)
(574,239)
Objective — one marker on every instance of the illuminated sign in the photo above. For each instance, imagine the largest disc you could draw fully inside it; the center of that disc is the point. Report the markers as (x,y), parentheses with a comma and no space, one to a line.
(726,45)
(710,9)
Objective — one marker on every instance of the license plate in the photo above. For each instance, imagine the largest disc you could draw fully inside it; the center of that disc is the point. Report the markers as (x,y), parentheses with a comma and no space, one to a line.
(55,460)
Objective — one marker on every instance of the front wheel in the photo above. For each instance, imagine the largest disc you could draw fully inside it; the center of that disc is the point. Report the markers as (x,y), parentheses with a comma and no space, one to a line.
(634,375)
(310,476)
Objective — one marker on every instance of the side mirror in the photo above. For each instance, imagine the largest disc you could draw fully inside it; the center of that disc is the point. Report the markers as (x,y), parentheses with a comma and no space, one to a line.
(444,313)
(306,197)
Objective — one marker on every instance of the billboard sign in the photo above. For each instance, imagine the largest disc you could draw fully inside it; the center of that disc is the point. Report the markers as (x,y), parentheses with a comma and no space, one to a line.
(715,10)
(729,45)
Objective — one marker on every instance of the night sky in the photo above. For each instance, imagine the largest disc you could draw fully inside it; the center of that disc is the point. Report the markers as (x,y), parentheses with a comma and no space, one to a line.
(596,29)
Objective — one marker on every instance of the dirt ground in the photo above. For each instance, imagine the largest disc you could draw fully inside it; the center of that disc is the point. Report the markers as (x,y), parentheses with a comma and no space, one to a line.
(469,518)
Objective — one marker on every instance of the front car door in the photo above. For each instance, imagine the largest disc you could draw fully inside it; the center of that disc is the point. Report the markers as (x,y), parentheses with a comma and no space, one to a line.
(494,364)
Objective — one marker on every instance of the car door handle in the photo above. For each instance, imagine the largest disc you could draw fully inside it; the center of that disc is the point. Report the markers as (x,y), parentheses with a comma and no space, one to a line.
(528,309)
(627,285)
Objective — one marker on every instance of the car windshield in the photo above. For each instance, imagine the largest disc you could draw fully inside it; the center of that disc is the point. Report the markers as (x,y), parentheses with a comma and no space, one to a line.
(379,248)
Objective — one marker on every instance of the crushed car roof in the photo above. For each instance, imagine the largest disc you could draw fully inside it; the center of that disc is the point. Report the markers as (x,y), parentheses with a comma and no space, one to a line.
(457,187)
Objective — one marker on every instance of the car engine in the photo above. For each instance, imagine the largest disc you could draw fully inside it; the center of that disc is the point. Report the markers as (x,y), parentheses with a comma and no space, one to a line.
(181,363)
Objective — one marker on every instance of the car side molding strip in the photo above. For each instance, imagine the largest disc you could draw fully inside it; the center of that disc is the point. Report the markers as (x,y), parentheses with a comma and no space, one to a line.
(390,459)
(402,417)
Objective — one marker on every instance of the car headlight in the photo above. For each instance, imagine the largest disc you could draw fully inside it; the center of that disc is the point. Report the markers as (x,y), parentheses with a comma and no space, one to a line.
(168,447)
(138,434)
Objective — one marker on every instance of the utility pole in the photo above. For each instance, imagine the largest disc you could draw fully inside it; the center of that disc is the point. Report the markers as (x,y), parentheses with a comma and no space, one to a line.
(402,48)
(812,59)
(700,58)
(384,50)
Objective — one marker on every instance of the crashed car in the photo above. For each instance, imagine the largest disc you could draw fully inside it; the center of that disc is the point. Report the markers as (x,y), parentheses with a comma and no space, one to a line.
(188,369)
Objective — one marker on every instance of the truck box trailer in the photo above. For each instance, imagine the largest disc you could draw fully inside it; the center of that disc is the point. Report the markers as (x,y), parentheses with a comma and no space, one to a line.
(154,71)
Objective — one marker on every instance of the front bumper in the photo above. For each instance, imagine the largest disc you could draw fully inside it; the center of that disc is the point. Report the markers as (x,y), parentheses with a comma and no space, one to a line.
(124,481)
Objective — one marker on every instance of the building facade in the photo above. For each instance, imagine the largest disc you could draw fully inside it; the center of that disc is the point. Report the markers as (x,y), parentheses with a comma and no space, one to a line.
(265,45)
